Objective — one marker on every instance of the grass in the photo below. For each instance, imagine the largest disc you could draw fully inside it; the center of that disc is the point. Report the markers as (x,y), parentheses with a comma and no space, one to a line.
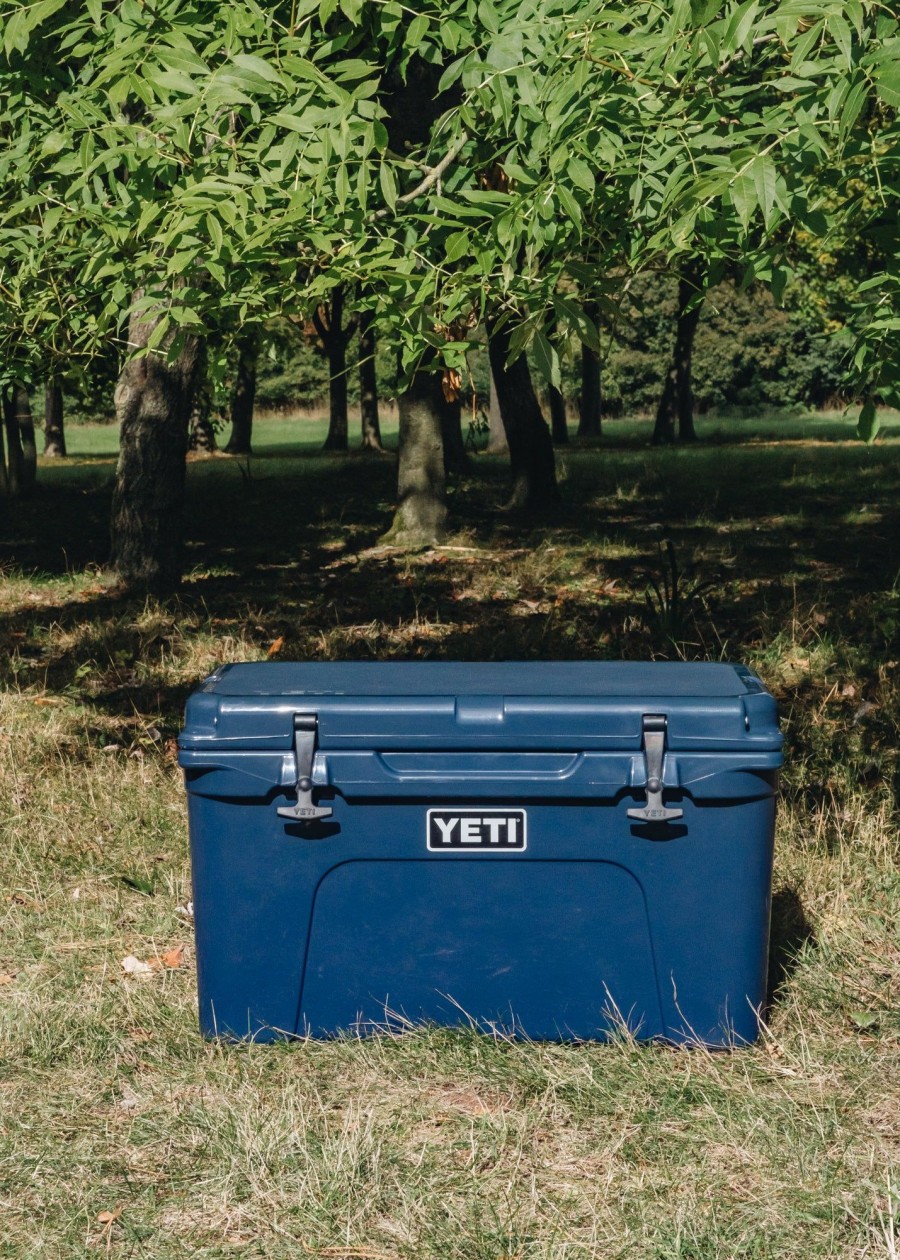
(122,1133)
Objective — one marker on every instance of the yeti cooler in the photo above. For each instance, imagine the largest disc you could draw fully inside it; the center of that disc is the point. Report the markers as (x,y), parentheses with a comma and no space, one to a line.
(559,850)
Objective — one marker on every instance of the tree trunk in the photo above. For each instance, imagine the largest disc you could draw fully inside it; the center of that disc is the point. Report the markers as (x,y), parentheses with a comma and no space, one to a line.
(368,384)
(558,426)
(201,433)
(4,475)
(54,430)
(243,395)
(422,509)
(684,354)
(20,441)
(677,398)
(14,457)
(589,417)
(664,428)
(336,347)
(25,420)
(497,440)
(530,446)
(456,458)
(153,401)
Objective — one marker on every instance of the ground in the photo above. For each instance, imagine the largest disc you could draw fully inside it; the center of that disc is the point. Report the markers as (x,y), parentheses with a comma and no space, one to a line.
(122,1132)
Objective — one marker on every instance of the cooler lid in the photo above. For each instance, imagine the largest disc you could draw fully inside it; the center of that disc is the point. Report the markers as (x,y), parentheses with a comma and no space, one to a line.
(577,705)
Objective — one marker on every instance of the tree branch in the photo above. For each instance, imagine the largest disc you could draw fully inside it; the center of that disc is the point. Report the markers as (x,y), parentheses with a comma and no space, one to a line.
(434,174)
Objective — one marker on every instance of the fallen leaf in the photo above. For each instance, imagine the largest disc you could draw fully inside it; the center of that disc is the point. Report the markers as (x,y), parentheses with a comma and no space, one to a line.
(275,647)
(18,899)
(135,968)
(173,957)
(864,1020)
(863,711)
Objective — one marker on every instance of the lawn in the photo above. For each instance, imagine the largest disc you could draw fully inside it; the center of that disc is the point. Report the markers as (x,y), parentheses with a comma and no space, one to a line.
(121,1132)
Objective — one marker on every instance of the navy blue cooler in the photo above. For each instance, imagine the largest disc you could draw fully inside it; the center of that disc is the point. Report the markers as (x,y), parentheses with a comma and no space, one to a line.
(557,850)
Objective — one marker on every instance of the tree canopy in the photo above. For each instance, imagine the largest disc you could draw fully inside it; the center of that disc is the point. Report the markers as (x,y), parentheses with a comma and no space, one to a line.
(242,160)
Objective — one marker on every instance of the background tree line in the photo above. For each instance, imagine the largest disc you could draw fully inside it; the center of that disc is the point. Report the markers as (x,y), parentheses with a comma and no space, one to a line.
(565,186)
(749,353)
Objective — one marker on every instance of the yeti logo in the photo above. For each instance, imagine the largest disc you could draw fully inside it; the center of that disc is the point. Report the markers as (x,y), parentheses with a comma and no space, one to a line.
(491,830)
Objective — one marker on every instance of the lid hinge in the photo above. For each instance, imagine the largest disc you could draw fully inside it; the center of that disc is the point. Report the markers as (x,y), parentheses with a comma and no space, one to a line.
(654,726)
(305,727)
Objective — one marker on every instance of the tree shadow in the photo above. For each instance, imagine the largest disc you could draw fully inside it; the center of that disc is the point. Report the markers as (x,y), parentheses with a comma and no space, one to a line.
(791,930)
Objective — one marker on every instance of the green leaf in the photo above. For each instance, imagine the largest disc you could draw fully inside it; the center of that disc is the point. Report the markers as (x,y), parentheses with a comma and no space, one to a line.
(456,245)
(887,81)
(703,11)
(869,423)
(744,196)
(864,1020)
(214,227)
(764,178)
(257,66)
(739,28)
(388,185)
(546,360)
(581,175)
(417,30)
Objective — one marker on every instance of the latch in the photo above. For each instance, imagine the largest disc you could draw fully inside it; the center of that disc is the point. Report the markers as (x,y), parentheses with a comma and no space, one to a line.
(305,725)
(654,754)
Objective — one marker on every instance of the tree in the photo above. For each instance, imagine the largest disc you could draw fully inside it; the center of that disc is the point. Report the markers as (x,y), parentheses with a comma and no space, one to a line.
(677,394)
(368,384)
(153,403)
(421,514)
(243,392)
(248,160)
(456,459)
(497,444)
(54,424)
(201,430)
(559,428)
(21,449)
(589,411)
(335,335)
(530,445)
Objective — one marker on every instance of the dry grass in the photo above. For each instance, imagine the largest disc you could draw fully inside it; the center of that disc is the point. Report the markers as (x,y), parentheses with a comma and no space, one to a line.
(122,1133)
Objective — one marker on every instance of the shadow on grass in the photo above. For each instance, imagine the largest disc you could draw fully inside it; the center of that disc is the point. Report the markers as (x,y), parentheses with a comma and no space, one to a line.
(790,933)
(291,553)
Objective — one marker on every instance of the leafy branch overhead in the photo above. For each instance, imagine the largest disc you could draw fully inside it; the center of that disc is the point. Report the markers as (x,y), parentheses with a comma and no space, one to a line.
(235,161)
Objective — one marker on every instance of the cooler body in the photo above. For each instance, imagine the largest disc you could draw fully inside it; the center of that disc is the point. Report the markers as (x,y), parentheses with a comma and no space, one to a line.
(554,851)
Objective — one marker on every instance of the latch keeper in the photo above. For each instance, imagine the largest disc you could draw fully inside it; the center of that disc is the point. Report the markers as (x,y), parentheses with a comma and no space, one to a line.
(654,726)
(305,810)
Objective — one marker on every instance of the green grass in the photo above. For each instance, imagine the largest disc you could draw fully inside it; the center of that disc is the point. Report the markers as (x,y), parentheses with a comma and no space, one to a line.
(445,1145)
(305,434)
